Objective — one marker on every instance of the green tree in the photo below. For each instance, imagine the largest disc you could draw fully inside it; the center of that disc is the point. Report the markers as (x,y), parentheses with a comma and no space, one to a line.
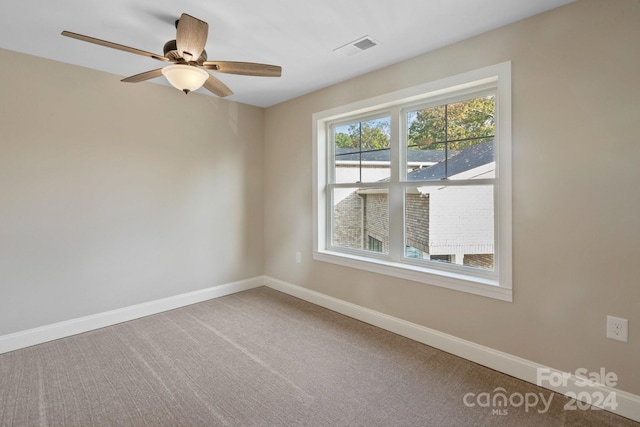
(472,118)
(343,140)
(373,134)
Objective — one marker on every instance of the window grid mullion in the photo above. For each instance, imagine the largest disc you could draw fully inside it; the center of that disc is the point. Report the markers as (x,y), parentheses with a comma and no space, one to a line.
(396,196)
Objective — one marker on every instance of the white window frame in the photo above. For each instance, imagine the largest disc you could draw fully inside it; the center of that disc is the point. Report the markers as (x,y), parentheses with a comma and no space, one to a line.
(496,284)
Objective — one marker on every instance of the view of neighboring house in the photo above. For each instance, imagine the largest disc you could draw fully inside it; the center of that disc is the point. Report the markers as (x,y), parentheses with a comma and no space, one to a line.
(443,222)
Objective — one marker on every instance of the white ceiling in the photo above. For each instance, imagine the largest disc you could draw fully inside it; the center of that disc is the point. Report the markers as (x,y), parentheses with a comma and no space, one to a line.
(298,35)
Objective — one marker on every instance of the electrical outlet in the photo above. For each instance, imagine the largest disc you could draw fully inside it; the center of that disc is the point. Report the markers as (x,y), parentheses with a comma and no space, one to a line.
(298,257)
(617,328)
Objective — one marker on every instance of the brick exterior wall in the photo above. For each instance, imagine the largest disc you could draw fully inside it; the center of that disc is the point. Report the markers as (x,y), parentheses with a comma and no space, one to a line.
(479,260)
(359,216)
(417,221)
(348,231)
(376,218)
(347,222)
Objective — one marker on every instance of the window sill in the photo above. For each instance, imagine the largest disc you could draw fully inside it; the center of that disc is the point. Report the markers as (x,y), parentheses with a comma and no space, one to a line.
(460,282)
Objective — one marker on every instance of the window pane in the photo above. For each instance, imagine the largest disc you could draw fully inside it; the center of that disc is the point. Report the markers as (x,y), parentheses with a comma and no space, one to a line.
(361,219)
(451,224)
(452,141)
(362,151)
(375,245)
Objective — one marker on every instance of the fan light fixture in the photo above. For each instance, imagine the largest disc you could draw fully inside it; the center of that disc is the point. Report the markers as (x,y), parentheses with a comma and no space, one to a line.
(187,78)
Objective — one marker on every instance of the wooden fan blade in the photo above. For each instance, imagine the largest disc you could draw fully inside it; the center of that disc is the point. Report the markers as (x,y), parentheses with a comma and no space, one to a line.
(114,45)
(147,75)
(244,68)
(217,87)
(191,36)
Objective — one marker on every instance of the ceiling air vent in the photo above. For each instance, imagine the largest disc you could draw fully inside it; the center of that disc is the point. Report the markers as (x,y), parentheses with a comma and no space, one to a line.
(357,46)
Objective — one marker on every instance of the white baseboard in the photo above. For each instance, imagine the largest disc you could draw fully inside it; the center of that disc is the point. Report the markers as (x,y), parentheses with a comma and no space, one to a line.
(67,328)
(628,405)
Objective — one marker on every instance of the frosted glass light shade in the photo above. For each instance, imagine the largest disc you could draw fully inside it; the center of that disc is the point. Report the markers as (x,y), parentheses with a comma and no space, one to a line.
(185,77)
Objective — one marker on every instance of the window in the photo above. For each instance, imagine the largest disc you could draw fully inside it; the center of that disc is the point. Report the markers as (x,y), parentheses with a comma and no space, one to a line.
(375,245)
(416,184)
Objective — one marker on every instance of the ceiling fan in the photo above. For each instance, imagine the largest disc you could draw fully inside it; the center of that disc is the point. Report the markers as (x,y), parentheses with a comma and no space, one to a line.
(190,67)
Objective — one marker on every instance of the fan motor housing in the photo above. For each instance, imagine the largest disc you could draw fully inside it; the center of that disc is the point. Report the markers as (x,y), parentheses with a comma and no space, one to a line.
(171,52)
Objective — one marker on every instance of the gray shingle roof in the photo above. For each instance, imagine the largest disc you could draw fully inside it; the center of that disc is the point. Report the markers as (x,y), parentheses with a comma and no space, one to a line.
(464,160)
(423,156)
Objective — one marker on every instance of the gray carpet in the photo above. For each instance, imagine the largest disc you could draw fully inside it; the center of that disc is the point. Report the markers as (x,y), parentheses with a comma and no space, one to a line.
(257,358)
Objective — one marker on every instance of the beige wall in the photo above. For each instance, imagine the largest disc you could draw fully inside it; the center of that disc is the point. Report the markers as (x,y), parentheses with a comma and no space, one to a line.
(576,207)
(114,194)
